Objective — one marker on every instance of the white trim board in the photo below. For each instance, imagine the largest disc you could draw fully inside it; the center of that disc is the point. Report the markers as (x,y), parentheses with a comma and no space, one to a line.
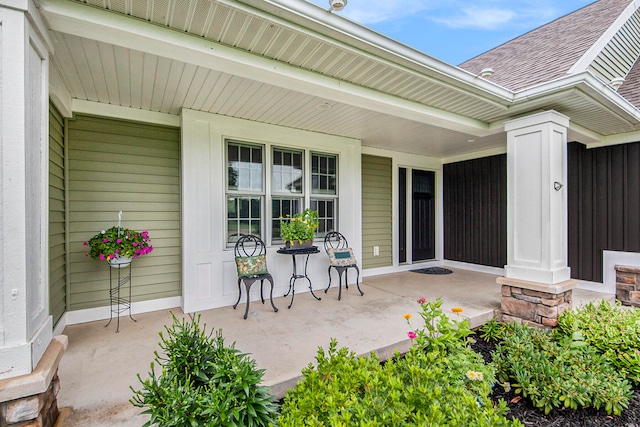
(102,313)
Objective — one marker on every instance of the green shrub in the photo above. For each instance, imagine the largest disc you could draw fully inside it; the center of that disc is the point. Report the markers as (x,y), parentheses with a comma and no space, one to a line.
(439,382)
(612,331)
(559,373)
(202,382)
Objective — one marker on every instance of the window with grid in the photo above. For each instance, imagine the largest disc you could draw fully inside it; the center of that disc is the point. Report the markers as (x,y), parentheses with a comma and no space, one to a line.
(287,185)
(324,194)
(245,190)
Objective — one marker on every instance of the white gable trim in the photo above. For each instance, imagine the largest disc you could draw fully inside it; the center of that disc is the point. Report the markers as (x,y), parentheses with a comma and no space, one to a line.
(590,55)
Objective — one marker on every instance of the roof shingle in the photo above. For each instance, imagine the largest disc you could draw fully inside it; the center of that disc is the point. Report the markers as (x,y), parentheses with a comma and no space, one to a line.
(548,52)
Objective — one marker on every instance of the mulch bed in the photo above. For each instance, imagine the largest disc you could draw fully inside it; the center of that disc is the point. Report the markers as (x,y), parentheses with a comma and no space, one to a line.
(531,417)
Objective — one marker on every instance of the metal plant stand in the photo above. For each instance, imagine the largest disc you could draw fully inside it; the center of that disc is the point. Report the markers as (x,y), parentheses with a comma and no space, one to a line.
(295,275)
(119,302)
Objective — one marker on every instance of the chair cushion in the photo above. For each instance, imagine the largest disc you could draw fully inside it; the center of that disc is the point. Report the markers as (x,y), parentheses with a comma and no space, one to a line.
(341,257)
(249,266)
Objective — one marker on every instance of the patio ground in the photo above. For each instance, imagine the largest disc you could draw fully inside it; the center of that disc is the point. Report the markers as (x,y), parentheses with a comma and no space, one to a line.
(100,365)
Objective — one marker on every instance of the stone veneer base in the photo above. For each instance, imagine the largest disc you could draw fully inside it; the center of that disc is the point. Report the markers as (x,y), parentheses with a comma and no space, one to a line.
(628,285)
(31,400)
(536,304)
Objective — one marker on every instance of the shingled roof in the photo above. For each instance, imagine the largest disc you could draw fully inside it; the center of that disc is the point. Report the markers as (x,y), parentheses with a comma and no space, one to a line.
(548,52)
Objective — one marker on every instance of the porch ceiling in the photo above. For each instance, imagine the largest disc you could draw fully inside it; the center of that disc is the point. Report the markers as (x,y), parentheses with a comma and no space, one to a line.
(233,59)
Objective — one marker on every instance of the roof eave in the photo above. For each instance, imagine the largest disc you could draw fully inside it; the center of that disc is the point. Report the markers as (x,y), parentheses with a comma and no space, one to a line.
(312,17)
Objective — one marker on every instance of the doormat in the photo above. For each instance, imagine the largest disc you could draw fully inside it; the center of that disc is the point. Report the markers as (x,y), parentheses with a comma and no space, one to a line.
(433,270)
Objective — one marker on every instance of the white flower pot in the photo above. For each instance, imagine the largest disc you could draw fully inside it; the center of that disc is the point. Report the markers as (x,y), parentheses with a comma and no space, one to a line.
(119,262)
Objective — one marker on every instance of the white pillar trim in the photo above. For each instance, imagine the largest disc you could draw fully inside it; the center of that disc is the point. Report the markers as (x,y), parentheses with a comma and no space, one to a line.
(537,198)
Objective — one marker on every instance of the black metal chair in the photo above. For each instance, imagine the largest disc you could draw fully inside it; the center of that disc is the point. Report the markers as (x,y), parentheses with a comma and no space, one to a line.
(342,259)
(251,262)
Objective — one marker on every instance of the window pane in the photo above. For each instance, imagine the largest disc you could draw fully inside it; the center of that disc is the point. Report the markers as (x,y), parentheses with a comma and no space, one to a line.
(324,174)
(327,215)
(243,217)
(281,208)
(287,171)
(244,167)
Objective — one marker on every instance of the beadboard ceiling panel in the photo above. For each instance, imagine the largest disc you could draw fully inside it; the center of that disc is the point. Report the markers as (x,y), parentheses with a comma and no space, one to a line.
(98,71)
(222,23)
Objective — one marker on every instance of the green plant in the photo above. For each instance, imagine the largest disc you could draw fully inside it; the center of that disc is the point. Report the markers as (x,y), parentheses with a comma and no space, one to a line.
(441,383)
(612,331)
(493,330)
(202,382)
(565,373)
(118,242)
(299,227)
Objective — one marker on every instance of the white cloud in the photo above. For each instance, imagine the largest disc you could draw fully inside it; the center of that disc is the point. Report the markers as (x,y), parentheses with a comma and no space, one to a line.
(474,17)
(374,11)
(458,14)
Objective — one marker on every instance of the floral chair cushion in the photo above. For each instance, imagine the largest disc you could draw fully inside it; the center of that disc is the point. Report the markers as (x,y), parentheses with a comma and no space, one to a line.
(249,266)
(341,257)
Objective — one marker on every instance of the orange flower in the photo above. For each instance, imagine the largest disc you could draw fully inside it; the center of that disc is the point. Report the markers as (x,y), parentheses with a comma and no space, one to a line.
(407,316)
(457,310)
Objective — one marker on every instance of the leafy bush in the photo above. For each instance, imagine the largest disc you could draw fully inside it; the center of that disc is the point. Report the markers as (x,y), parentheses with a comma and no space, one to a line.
(612,331)
(202,382)
(439,382)
(559,373)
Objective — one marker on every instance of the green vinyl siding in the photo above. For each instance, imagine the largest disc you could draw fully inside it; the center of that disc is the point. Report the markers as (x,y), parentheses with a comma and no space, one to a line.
(117,165)
(57,247)
(376,211)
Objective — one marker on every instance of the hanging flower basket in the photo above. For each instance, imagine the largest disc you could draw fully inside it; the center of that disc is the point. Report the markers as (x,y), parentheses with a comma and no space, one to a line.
(117,245)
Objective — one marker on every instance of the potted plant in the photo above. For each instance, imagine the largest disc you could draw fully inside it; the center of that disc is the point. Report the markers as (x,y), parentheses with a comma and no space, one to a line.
(299,230)
(118,246)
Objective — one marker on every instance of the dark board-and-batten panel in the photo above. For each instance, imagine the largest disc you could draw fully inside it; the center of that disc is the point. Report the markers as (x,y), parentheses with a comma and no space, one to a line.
(475,211)
(604,205)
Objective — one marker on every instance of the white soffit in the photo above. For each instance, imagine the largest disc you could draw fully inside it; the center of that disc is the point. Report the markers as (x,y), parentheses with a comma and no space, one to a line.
(236,63)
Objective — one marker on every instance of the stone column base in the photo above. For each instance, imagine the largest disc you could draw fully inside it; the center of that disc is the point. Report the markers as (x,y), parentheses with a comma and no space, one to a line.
(30,400)
(628,285)
(536,304)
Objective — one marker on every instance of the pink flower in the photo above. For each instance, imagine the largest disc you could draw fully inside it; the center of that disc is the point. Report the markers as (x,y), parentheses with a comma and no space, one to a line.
(106,240)
(422,300)
(412,335)
(84,243)
(119,241)
(117,251)
(86,254)
(135,243)
(101,257)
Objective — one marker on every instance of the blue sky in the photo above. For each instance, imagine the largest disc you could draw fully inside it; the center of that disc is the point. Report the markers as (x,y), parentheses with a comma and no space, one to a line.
(454,30)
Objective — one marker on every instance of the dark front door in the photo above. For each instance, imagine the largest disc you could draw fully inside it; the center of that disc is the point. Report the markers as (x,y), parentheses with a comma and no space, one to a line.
(423,218)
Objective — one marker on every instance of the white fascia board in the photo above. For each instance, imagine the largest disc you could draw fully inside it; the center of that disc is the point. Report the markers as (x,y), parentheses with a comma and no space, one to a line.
(100,25)
(124,113)
(477,154)
(590,55)
(623,138)
(586,84)
(304,14)
(583,135)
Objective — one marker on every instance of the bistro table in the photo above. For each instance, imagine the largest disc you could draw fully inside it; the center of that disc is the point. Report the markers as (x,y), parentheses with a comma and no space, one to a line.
(295,275)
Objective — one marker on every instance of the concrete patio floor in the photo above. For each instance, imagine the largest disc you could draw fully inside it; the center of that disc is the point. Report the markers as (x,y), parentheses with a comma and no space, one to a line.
(99,365)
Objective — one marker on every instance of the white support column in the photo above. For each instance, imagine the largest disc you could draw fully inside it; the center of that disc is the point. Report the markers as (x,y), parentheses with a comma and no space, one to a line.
(25,324)
(537,286)
(537,198)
